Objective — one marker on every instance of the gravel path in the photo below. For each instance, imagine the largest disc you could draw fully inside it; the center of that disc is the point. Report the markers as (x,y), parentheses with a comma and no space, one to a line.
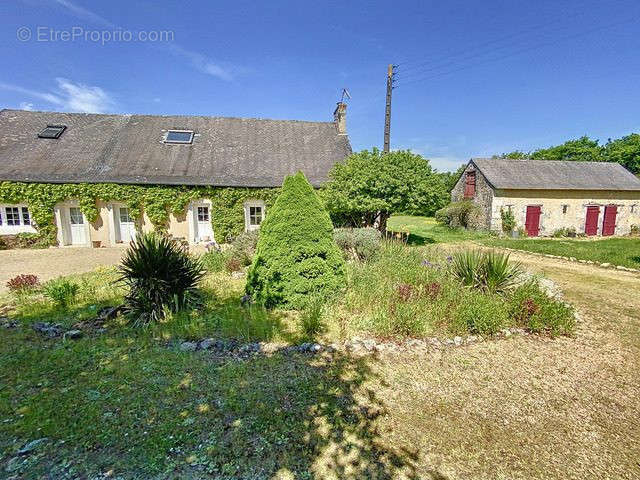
(53,262)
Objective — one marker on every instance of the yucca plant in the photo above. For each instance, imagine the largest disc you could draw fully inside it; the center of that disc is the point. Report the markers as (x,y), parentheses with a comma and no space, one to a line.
(498,275)
(489,271)
(466,265)
(162,277)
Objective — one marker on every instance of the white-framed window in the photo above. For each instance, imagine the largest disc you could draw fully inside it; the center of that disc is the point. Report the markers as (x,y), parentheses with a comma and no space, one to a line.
(179,136)
(203,213)
(254,212)
(15,219)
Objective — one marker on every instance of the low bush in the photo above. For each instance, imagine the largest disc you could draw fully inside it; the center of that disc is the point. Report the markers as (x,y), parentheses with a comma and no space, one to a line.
(243,247)
(489,271)
(214,260)
(162,277)
(464,214)
(233,264)
(508,220)
(358,243)
(564,232)
(61,291)
(531,308)
(23,283)
(480,313)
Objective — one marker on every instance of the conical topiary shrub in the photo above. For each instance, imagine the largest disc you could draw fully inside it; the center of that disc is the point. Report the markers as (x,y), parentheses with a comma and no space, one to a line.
(296,255)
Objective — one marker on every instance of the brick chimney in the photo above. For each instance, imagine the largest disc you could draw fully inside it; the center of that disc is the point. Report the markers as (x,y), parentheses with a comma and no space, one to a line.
(340,118)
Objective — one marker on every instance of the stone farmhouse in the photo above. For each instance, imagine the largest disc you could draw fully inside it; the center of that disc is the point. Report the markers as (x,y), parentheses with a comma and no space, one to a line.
(235,162)
(594,198)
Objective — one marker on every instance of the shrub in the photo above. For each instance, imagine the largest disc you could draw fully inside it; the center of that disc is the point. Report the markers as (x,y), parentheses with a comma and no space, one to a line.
(358,243)
(61,291)
(23,283)
(243,247)
(296,255)
(233,264)
(311,319)
(480,313)
(31,240)
(508,220)
(635,230)
(489,271)
(530,307)
(464,214)
(564,232)
(161,277)
(214,260)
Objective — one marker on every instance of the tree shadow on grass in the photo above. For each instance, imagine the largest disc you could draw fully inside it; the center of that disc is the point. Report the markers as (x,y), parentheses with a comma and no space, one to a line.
(299,416)
(418,240)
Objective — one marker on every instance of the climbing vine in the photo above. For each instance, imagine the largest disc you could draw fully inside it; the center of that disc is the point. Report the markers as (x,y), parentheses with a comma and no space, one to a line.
(156,201)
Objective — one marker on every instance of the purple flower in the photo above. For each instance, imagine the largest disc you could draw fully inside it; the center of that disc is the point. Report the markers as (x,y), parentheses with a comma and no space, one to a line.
(449,259)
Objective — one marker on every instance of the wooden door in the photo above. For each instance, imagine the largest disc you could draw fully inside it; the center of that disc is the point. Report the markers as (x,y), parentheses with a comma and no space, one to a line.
(609,221)
(77,228)
(532,223)
(591,222)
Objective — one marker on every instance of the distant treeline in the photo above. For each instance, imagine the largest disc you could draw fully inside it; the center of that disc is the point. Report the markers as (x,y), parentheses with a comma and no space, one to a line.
(625,151)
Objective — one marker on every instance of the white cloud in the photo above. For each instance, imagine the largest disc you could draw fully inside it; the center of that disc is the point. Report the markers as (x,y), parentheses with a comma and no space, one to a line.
(84,98)
(26,106)
(200,62)
(70,96)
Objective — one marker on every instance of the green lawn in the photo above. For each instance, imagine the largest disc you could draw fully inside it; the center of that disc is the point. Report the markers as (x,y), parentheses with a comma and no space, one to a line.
(425,230)
(617,251)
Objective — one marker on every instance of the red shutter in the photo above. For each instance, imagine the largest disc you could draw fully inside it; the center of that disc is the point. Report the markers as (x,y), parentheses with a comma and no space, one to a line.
(591,222)
(470,185)
(532,222)
(609,223)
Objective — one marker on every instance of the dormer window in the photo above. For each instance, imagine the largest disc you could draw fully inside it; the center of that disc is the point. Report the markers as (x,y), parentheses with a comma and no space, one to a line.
(179,136)
(52,131)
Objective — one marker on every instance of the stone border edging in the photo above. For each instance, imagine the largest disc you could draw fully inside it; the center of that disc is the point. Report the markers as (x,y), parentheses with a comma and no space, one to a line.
(568,259)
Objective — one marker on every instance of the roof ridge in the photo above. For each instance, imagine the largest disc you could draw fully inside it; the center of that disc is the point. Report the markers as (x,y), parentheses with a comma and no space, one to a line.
(149,115)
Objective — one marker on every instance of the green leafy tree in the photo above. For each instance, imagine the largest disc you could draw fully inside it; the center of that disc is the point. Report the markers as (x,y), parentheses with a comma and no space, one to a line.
(625,151)
(515,155)
(451,178)
(296,257)
(370,186)
(582,149)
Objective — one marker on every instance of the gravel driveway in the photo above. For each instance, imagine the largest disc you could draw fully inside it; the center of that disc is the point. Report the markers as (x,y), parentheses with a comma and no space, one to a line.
(53,262)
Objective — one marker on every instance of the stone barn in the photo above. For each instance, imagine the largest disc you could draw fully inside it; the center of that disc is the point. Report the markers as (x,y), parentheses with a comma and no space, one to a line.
(594,198)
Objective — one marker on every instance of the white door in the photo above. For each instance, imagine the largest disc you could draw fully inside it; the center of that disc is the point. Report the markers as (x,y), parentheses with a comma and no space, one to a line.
(77,228)
(203,230)
(127,225)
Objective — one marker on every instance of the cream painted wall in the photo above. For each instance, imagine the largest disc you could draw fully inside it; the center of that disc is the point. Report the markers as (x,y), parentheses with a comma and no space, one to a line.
(552,203)
(99,230)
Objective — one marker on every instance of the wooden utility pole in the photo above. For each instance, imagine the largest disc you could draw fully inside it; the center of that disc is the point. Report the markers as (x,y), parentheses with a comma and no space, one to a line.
(387,111)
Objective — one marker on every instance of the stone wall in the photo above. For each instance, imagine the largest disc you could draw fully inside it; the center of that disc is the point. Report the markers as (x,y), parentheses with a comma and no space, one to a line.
(483,196)
(566,208)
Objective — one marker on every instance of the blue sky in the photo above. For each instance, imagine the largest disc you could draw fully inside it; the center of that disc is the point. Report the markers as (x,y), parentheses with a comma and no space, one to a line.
(475,77)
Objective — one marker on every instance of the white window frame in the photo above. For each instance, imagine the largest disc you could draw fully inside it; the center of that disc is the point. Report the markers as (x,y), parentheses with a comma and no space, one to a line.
(247,208)
(179,142)
(6,229)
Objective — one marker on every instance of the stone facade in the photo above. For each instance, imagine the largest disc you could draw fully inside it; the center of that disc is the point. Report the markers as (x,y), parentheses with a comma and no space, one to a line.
(559,208)
(483,197)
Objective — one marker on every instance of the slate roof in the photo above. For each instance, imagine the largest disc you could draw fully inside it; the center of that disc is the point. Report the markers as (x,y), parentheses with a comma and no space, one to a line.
(556,175)
(238,152)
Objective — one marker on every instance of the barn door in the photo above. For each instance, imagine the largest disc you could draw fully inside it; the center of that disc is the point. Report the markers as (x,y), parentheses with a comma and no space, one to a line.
(591,222)
(609,223)
(532,223)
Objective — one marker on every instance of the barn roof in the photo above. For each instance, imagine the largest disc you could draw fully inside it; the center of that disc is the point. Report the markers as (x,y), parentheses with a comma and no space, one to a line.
(556,174)
(244,152)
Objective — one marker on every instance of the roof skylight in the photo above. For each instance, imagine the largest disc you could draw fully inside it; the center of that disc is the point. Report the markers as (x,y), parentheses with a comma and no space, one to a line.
(179,136)
(52,131)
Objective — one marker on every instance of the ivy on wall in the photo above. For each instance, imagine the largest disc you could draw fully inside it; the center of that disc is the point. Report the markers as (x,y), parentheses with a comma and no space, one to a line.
(157,201)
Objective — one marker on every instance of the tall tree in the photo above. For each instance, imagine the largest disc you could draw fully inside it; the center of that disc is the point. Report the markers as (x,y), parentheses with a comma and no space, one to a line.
(626,151)
(370,186)
(582,149)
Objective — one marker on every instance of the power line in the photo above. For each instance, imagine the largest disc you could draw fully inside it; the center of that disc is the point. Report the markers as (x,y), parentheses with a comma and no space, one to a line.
(511,54)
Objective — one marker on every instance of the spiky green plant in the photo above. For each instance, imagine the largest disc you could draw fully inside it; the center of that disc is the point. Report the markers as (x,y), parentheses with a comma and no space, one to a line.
(489,271)
(162,277)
